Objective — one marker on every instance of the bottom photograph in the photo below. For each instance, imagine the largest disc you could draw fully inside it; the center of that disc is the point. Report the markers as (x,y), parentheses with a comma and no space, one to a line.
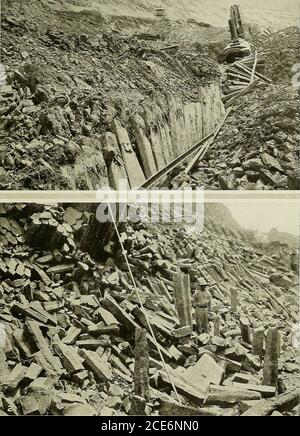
(150,319)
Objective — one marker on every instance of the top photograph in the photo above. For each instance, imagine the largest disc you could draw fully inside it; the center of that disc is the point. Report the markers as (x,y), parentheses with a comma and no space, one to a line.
(168,94)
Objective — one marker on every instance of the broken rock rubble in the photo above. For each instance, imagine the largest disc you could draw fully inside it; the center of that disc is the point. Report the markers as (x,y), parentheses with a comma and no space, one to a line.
(70,321)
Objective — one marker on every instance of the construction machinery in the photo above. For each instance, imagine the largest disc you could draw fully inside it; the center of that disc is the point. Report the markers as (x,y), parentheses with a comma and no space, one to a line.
(160,12)
(239,47)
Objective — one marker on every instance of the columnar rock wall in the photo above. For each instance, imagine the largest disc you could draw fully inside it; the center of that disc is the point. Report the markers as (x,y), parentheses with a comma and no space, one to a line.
(162,134)
(148,140)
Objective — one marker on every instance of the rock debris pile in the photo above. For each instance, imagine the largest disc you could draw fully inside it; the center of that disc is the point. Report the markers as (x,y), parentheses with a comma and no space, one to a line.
(69,323)
(282,51)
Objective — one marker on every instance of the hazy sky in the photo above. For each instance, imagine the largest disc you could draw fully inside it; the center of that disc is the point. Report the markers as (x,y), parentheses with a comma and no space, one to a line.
(274,13)
(263,216)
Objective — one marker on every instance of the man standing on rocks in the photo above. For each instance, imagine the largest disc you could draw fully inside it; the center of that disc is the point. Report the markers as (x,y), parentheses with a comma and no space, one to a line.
(295,261)
(202,304)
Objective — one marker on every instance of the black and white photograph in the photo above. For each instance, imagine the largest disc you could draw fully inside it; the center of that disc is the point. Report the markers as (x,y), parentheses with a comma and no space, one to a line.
(157,319)
(200,93)
(149,211)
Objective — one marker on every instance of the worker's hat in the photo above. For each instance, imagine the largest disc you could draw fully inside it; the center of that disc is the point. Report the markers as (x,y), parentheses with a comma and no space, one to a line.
(203,282)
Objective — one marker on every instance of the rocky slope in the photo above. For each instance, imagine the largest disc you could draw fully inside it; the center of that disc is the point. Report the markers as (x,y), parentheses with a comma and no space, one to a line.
(268,13)
(71,75)
(286,238)
(68,321)
(258,146)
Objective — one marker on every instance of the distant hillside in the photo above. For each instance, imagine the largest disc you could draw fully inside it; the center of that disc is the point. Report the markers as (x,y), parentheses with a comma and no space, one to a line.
(275,236)
(221,215)
(274,13)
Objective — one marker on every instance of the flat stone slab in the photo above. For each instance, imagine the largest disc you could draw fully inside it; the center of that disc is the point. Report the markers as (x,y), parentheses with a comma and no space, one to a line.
(206,368)
(224,395)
